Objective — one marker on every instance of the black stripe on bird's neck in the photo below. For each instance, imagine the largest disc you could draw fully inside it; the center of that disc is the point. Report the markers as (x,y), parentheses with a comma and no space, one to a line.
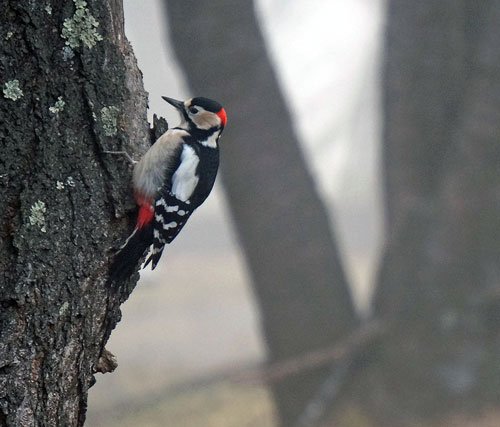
(201,134)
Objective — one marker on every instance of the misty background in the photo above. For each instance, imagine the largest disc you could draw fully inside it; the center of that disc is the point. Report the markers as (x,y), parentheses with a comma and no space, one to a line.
(195,316)
(345,271)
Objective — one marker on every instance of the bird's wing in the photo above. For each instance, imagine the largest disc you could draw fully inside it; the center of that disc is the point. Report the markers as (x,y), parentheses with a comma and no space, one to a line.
(170,216)
(172,205)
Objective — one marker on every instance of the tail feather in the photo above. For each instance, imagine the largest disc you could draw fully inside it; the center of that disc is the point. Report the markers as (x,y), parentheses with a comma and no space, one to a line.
(126,260)
(154,257)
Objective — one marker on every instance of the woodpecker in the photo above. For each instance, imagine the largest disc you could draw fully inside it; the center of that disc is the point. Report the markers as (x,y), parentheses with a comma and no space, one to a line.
(171,180)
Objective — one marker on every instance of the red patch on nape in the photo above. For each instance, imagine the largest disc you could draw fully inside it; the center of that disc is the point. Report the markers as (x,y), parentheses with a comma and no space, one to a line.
(222,116)
(146,211)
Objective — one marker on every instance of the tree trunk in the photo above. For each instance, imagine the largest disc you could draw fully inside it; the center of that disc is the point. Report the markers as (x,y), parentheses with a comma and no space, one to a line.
(281,222)
(71,89)
(424,80)
(439,285)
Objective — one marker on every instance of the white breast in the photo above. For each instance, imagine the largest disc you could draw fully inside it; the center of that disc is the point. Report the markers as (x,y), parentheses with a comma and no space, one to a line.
(184,180)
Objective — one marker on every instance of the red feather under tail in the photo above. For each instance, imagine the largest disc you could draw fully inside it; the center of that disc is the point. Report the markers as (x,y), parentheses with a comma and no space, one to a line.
(146,211)
(127,258)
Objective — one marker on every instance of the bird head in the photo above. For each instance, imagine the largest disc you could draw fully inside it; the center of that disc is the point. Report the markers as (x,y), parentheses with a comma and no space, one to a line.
(202,113)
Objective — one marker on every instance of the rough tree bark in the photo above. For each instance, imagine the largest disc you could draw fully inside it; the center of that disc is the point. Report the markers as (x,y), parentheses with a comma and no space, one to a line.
(282,224)
(71,89)
(439,285)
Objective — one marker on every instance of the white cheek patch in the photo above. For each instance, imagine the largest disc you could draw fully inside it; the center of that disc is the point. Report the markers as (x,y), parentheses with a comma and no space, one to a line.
(185,180)
(211,141)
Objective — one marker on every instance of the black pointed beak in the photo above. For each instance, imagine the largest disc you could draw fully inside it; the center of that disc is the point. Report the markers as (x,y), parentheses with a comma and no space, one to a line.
(177,104)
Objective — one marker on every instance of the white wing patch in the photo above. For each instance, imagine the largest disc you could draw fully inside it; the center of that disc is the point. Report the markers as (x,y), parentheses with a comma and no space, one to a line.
(185,180)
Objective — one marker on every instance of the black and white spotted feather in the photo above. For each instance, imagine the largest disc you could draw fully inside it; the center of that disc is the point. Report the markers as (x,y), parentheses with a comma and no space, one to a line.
(171,215)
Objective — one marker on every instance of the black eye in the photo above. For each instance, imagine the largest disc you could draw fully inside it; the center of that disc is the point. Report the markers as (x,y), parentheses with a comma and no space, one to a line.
(193,110)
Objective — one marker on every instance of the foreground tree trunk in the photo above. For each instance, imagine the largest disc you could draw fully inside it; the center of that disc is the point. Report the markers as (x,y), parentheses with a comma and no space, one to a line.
(282,224)
(71,89)
(438,291)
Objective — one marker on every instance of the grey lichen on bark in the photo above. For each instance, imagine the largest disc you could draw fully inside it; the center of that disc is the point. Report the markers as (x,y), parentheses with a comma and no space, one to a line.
(64,204)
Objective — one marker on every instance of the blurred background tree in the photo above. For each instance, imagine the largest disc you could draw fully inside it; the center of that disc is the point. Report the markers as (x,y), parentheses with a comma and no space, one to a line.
(282,224)
(438,285)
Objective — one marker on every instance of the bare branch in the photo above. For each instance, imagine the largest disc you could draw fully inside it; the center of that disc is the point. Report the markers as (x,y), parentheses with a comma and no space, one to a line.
(356,342)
